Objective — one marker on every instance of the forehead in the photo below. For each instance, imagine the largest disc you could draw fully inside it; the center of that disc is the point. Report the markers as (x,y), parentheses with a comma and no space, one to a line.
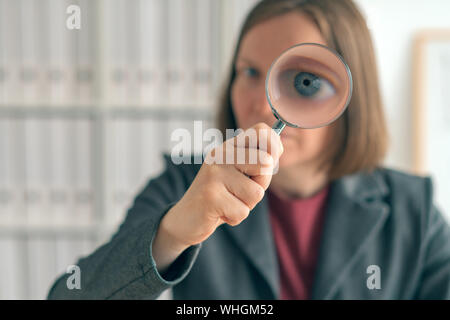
(267,40)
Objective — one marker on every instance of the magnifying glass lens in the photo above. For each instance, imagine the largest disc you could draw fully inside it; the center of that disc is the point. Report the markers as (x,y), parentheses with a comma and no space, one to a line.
(308,86)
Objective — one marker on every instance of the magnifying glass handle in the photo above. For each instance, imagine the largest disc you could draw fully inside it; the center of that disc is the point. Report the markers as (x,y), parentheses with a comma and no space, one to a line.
(278,126)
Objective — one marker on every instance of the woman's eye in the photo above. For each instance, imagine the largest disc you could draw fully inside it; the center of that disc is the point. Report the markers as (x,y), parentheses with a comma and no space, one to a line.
(250,72)
(308,85)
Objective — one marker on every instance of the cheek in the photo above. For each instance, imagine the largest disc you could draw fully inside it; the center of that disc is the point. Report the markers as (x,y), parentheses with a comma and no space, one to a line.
(317,141)
(241,103)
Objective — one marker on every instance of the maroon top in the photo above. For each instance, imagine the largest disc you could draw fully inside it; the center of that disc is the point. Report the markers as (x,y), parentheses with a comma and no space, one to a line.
(296,226)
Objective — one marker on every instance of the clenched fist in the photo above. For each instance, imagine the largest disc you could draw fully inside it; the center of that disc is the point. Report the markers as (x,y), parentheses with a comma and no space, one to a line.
(230,183)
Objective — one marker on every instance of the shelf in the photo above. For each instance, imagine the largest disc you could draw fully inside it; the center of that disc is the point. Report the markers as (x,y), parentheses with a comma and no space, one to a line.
(49,230)
(164,112)
(190,113)
(47,112)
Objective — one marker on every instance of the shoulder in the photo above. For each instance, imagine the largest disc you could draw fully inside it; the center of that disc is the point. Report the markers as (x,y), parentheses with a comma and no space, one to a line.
(403,179)
(387,184)
(408,197)
(407,188)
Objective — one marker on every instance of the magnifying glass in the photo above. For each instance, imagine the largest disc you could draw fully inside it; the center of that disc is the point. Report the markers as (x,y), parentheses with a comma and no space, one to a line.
(308,86)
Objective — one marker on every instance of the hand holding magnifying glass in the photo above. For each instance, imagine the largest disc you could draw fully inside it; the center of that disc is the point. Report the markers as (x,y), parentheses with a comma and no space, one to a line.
(308,86)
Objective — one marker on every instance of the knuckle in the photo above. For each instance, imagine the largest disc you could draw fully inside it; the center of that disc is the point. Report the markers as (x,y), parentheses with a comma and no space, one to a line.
(263,181)
(258,193)
(243,213)
(230,219)
(266,159)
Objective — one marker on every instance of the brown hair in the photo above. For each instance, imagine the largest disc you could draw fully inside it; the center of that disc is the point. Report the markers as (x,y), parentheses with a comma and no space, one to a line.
(361,134)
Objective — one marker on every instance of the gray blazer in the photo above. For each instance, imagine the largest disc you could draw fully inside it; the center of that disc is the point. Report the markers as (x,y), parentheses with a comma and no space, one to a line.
(385,218)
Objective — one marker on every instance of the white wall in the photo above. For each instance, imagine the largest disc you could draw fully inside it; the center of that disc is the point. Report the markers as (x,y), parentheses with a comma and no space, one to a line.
(394,24)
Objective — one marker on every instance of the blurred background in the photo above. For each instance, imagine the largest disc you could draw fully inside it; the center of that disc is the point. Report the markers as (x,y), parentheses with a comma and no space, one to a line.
(85,114)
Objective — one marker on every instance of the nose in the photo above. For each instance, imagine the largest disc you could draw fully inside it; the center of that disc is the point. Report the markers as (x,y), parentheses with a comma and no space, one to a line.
(260,103)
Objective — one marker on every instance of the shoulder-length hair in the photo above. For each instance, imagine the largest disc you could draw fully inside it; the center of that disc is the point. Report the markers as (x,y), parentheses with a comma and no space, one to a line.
(361,137)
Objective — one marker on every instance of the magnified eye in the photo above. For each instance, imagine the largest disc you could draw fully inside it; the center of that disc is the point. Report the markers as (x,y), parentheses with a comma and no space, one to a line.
(306,85)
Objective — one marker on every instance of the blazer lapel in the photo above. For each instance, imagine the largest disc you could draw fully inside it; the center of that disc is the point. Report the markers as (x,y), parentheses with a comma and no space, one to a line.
(254,237)
(355,212)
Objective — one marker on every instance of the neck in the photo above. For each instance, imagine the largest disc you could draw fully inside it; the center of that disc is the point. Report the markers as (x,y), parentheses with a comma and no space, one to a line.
(298,182)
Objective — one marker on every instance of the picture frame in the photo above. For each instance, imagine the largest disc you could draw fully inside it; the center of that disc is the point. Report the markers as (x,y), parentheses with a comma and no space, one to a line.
(431,111)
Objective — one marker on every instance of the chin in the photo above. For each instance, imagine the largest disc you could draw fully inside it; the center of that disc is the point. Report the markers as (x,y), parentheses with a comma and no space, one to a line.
(287,160)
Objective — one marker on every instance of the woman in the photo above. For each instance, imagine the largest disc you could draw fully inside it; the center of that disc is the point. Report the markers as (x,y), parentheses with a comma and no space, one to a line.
(331,224)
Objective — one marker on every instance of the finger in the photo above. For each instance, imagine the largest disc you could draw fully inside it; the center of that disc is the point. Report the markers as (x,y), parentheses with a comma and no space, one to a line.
(262,137)
(244,188)
(263,180)
(249,161)
(231,209)
(253,162)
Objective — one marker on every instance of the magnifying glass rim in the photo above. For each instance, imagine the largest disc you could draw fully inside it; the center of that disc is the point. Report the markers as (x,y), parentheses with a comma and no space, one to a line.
(350,79)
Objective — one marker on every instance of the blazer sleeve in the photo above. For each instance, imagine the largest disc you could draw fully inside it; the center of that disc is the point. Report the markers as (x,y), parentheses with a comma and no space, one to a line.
(435,278)
(124,267)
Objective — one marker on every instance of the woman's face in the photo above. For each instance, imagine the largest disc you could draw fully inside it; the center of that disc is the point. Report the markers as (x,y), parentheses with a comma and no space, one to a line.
(259,48)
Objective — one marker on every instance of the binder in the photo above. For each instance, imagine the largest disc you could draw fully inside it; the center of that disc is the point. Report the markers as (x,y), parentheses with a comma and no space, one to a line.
(134,177)
(234,12)
(4,69)
(180,67)
(41,265)
(132,55)
(87,246)
(42,24)
(11,273)
(127,172)
(83,171)
(121,158)
(6,173)
(151,146)
(68,249)
(62,71)
(62,159)
(108,177)
(117,74)
(203,79)
(65,253)
(84,38)
(32,73)
(153,47)
(10,46)
(36,170)
(16,140)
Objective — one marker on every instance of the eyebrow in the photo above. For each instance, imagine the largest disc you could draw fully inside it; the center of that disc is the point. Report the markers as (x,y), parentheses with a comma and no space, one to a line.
(244,59)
